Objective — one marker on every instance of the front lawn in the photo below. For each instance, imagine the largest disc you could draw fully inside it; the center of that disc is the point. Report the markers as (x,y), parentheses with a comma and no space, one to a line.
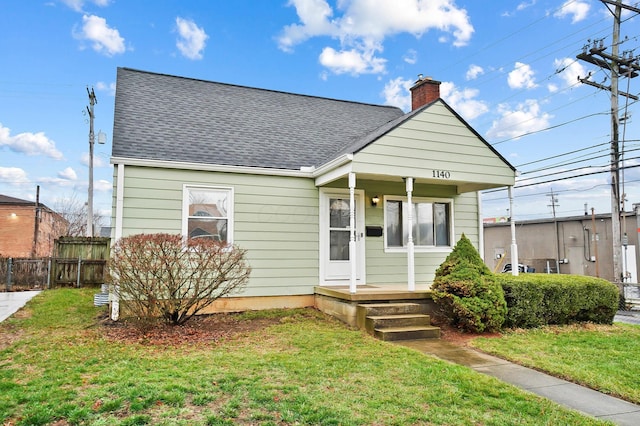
(605,358)
(60,364)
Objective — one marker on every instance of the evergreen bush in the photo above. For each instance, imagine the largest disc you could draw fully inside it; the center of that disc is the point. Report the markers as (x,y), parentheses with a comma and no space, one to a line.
(467,291)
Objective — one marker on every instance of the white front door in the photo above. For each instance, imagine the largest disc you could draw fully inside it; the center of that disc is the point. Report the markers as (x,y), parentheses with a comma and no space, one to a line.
(335,235)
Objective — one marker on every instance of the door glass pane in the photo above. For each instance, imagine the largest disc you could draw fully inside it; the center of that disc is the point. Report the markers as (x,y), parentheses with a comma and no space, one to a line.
(338,213)
(338,245)
(394,223)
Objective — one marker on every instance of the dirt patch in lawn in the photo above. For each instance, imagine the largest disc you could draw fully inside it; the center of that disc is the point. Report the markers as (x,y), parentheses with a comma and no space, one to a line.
(458,337)
(8,335)
(198,330)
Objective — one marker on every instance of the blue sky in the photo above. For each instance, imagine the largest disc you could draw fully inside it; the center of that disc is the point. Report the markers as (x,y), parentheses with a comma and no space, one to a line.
(508,68)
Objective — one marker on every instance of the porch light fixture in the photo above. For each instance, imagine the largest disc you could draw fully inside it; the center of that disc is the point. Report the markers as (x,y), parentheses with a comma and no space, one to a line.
(375,200)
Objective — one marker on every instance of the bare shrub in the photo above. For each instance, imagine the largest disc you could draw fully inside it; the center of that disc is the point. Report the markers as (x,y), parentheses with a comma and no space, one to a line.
(162,276)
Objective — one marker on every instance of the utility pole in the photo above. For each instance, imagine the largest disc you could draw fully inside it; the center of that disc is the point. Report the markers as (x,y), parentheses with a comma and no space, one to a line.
(36,224)
(554,203)
(617,66)
(92,102)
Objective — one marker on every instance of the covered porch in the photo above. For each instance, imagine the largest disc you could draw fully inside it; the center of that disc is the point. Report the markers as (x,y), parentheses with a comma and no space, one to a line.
(393,205)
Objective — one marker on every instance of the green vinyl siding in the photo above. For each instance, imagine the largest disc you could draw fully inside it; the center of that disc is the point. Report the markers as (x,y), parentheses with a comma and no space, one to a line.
(431,141)
(275,220)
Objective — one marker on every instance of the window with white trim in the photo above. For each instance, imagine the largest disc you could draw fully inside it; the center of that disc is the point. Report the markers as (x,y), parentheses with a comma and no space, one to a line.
(208,213)
(432,223)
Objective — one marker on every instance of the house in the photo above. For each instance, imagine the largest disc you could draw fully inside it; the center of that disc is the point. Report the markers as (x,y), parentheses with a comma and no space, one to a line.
(579,245)
(28,228)
(316,190)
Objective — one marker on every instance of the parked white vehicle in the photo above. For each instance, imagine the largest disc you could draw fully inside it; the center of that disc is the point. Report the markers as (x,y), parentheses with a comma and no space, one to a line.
(521,268)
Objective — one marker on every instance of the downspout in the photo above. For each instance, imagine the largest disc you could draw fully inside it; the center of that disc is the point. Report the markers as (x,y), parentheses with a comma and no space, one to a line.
(514,246)
(411,273)
(352,232)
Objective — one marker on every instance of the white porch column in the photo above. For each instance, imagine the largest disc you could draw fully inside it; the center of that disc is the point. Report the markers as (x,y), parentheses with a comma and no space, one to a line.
(352,232)
(114,291)
(411,273)
(514,246)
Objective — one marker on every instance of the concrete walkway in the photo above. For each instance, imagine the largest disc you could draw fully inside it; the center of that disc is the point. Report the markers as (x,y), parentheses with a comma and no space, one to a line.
(11,302)
(628,317)
(562,392)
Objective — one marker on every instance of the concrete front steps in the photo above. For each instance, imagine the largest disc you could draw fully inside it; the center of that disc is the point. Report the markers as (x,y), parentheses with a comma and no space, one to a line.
(396,321)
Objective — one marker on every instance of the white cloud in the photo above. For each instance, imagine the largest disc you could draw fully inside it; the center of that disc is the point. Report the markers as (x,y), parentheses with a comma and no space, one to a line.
(473,72)
(314,17)
(102,185)
(104,39)
(513,123)
(411,57)
(110,88)
(58,181)
(519,8)
(14,175)
(576,9)
(191,38)
(68,174)
(352,61)
(97,161)
(524,5)
(29,143)
(396,93)
(463,101)
(522,76)
(569,70)
(364,24)
(78,5)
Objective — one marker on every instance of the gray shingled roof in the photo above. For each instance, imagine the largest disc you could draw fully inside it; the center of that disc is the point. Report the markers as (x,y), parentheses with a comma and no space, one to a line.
(162,117)
(5,199)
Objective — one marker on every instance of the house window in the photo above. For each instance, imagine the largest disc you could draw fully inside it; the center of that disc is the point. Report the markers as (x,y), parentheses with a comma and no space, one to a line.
(431,223)
(208,213)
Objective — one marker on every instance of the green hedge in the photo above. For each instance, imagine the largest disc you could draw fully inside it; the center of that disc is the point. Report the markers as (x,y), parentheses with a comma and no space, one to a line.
(535,300)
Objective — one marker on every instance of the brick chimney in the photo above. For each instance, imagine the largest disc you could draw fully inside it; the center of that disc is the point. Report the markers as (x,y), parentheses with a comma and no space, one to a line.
(424,91)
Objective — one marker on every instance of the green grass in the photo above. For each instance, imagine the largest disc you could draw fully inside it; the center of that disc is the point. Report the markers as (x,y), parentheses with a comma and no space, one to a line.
(306,369)
(605,358)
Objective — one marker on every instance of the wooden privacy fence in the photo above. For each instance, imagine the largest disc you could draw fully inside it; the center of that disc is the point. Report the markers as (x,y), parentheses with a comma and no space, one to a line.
(77,262)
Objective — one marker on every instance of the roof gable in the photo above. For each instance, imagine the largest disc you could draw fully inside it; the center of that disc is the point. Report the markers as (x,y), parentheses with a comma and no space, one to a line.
(168,118)
(371,137)
(433,144)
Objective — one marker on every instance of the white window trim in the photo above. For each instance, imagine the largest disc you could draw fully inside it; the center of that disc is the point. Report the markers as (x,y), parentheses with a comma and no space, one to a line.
(185,208)
(417,248)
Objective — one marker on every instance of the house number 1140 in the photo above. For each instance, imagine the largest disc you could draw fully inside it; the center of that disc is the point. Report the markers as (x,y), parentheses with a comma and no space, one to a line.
(442,174)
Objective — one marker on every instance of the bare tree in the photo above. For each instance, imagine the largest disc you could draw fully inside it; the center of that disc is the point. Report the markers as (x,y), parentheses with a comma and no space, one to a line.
(75,212)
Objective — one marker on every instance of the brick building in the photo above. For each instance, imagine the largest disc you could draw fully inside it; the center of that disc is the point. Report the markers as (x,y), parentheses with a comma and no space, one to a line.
(27,228)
